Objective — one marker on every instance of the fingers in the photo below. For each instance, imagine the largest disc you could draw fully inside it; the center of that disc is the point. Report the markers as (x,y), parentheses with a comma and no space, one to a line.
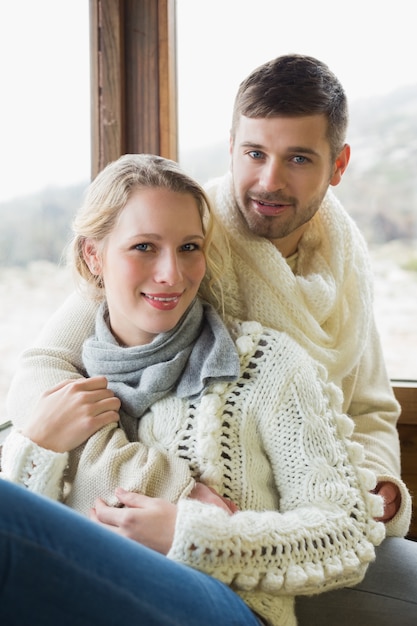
(92,390)
(391,494)
(105,512)
(133,499)
(108,515)
(91,393)
(210,496)
(101,398)
(71,412)
(93,515)
(95,382)
(150,521)
(97,407)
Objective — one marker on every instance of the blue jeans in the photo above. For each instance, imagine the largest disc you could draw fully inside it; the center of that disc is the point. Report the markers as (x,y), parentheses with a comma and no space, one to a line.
(387,596)
(59,568)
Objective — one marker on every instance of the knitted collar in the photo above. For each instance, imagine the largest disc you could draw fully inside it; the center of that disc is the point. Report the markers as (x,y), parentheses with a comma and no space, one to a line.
(198,351)
(325,304)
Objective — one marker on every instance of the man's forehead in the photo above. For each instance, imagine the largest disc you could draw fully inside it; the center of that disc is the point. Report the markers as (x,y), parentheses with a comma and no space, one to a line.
(309,126)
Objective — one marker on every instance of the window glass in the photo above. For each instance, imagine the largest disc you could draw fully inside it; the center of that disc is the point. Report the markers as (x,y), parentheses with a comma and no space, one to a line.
(372,48)
(44,161)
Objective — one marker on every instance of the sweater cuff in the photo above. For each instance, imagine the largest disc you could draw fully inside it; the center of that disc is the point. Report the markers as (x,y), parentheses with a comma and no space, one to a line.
(399,525)
(34,467)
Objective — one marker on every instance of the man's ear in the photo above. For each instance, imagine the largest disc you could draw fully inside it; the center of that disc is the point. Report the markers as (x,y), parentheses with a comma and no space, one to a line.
(91,256)
(340,165)
(230,144)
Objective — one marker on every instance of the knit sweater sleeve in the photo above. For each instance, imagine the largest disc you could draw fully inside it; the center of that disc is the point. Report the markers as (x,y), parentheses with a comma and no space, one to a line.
(370,401)
(109,460)
(27,464)
(106,461)
(55,356)
(323,534)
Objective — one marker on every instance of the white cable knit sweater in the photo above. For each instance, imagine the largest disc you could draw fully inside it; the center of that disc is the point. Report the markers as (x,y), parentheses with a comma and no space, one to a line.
(323,300)
(325,304)
(275,442)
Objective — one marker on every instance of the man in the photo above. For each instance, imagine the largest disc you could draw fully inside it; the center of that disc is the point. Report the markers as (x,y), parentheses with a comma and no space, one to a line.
(299,264)
(298,261)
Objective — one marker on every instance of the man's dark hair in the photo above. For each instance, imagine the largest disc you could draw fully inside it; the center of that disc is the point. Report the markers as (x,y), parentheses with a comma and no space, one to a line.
(294,85)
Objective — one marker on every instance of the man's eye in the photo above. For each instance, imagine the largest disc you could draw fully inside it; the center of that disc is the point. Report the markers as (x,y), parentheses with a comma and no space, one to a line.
(255,154)
(300,159)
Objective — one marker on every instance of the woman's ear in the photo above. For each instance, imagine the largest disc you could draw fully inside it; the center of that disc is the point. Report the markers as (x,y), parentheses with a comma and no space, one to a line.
(91,256)
(340,165)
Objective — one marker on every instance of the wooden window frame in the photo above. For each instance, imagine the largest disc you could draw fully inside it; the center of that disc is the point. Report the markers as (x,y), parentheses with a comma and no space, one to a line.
(133,79)
(134,96)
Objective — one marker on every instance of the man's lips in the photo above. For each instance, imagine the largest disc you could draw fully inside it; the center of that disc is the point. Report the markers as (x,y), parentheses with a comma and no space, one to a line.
(270,208)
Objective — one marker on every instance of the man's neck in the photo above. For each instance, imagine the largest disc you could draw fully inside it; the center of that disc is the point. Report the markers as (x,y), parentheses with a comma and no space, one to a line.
(288,245)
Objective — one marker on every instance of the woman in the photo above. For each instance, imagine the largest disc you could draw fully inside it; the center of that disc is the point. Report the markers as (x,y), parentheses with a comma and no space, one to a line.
(231,454)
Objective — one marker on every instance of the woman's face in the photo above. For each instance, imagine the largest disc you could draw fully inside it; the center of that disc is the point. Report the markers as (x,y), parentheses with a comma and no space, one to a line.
(152,264)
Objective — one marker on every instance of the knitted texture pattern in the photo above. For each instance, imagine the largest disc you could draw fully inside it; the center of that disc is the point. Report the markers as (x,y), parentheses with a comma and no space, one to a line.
(324,300)
(38,469)
(326,305)
(285,458)
(367,393)
(277,444)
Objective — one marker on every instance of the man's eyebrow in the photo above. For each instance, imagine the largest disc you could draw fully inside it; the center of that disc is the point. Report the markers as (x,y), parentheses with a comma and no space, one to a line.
(289,149)
(251,144)
(302,149)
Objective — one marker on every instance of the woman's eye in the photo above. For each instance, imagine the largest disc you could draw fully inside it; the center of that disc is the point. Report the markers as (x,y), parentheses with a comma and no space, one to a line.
(142,247)
(190,247)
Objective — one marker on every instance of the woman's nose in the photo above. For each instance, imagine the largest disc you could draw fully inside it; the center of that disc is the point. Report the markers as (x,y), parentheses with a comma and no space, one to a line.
(168,269)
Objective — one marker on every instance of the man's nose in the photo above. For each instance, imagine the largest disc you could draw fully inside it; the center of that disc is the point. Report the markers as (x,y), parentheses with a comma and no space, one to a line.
(272,176)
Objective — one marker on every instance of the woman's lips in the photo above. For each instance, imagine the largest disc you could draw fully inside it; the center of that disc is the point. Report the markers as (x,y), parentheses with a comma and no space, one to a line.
(163,302)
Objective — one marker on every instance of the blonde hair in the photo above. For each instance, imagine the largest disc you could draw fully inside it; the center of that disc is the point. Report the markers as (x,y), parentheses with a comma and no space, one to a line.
(106,198)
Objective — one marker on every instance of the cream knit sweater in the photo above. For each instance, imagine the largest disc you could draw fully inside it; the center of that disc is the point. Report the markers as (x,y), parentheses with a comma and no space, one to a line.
(322,298)
(275,442)
(324,301)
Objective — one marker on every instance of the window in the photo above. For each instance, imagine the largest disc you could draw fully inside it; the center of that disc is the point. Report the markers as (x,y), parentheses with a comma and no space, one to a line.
(45,128)
(48,50)
(44,160)
(371,48)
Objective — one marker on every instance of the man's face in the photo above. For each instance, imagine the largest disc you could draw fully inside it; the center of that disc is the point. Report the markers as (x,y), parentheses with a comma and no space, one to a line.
(281,171)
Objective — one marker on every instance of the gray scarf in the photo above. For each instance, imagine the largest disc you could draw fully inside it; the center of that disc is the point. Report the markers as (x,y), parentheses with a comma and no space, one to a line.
(199,350)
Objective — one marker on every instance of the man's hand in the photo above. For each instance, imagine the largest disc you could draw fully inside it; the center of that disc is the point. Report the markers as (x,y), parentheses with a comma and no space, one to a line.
(207,494)
(149,521)
(392,499)
(69,413)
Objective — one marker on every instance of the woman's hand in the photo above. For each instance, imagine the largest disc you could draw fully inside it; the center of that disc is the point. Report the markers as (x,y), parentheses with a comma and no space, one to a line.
(149,521)
(69,413)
